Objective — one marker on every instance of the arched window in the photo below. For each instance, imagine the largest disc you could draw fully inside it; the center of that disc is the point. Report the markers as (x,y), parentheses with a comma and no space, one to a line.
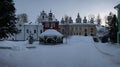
(91,30)
(43,17)
(34,31)
(62,30)
(52,25)
(20,30)
(85,30)
(46,24)
(40,31)
(27,31)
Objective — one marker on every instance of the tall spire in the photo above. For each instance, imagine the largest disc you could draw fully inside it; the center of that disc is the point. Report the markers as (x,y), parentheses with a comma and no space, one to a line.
(43,11)
(78,19)
(62,20)
(50,11)
(50,16)
(85,20)
(78,16)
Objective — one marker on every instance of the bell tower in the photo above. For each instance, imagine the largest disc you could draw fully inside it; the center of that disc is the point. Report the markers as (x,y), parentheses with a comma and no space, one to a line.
(78,19)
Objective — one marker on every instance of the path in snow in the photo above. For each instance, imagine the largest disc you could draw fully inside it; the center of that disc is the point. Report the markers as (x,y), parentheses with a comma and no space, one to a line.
(77,52)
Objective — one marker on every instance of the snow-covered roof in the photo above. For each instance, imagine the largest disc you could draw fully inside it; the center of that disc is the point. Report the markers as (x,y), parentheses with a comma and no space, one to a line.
(77,24)
(99,27)
(102,31)
(51,32)
(32,23)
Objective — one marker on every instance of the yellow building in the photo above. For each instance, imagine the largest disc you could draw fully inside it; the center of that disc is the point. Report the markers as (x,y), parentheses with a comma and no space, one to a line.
(86,28)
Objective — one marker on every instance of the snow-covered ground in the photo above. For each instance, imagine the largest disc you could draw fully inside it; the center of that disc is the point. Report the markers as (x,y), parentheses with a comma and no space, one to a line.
(77,51)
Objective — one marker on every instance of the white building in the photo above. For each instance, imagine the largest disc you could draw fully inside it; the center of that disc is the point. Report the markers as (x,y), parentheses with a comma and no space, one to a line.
(26,30)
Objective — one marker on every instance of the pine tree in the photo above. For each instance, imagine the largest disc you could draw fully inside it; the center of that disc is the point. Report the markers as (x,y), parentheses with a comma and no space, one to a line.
(113,29)
(7,19)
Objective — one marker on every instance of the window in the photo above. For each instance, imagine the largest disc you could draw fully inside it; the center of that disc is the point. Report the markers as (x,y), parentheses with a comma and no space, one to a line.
(92,34)
(20,30)
(91,28)
(27,31)
(80,28)
(76,28)
(85,30)
(43,17)
(34,31)
(72,28)
(20,25)
(62,30)
(40,31)
(91,31)
(52,25)
(46,24)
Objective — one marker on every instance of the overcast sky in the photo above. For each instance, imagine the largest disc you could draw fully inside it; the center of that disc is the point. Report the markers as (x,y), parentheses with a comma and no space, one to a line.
(65,7)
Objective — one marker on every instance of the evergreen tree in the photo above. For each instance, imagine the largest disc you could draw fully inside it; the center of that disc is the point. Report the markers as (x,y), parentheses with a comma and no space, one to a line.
(7,19)
(113,29)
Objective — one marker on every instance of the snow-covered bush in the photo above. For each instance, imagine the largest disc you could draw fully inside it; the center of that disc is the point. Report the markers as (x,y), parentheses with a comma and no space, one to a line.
(103,33)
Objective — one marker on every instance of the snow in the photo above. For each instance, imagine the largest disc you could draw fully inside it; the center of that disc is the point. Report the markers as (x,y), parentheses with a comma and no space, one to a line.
(76,51)
(51,32)
(75,23)
(33,23)
(101,30)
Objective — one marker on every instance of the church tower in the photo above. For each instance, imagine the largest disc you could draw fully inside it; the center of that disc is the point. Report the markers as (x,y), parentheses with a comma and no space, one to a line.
(42,17)
(91,20)
(50,16)
(84,20)
(70,20)
(62,20)
(50,22)
(78,19)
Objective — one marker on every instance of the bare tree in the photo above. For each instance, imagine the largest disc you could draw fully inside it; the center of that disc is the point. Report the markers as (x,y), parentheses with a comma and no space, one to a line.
(38,19)
(22,17)
(98,20)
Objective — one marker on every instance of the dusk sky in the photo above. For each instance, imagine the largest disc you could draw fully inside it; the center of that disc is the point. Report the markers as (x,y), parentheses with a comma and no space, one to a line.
(65,7)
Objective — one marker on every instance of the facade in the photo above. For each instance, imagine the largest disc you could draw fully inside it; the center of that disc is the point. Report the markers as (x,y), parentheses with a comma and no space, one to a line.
(48,21)
(78,29)
(81,27)
(26,30)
